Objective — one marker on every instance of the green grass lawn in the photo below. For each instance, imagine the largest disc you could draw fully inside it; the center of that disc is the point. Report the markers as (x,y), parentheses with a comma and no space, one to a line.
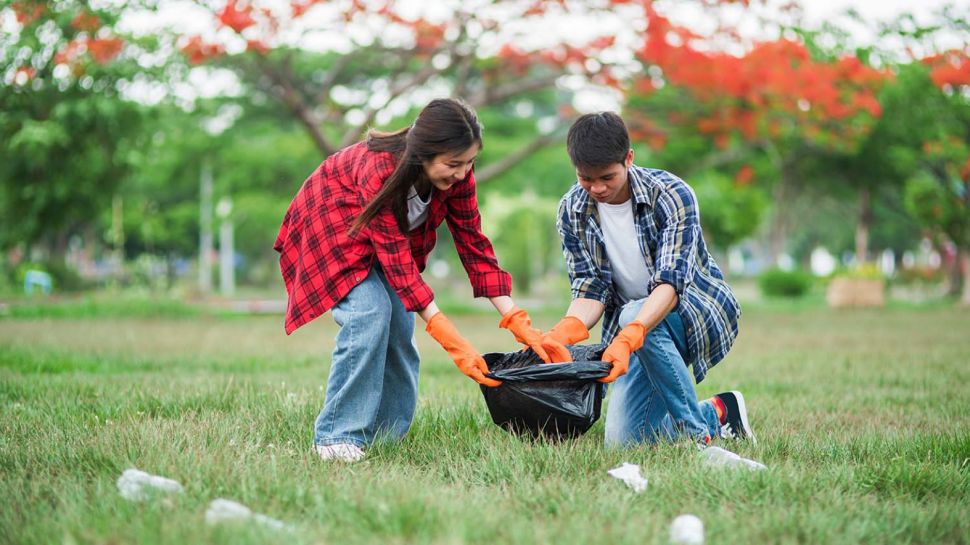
(862,418)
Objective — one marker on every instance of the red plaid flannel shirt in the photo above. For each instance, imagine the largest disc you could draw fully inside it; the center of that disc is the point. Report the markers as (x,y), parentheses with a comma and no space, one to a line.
(321,262)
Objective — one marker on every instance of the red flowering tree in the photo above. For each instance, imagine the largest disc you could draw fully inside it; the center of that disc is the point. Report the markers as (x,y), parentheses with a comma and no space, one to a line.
(379,60)
(938,194)
(782,99)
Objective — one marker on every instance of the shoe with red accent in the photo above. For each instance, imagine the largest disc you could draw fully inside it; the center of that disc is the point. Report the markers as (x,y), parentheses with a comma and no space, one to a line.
(735,424)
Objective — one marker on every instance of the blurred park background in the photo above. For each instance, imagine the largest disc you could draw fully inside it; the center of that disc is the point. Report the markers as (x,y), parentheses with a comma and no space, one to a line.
(150,148)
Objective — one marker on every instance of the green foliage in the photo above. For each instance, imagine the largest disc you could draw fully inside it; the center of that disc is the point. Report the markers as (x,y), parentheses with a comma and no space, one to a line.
(258,163)
(102,306)
(937,193)
(522,228)
(780,283)
(65,140)
(939,206)
(729,212)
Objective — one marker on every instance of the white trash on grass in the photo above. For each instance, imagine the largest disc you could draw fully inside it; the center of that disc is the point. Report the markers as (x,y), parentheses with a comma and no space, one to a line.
(630,474)
(136,485)
(687,530)
(223,510)
(718,457)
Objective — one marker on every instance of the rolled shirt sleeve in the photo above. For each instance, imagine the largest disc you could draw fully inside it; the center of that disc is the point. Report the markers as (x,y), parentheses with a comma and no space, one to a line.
(676,256)
(585,278)
(474,249)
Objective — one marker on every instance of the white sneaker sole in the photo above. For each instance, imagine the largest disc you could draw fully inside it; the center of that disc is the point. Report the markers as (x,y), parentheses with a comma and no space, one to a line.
(341,452)
(744,417)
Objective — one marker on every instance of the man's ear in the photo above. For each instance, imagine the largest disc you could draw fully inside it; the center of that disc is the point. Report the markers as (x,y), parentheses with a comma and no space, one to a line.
(628,162)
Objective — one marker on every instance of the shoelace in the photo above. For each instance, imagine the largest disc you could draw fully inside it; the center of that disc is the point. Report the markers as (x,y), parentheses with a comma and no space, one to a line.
(727,431)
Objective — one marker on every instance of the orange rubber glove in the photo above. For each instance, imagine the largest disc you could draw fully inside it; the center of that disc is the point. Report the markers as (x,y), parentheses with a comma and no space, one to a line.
(569,330)
(628,340)
(468,360)
(518,322)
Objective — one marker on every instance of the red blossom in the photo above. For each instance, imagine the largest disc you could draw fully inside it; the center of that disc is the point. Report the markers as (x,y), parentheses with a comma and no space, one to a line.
(235,18)
(69,53)
(24,74)
(951,68)
(257,46)
(27,11)
(744,176)
(104,49)
(197,51)
(86,22)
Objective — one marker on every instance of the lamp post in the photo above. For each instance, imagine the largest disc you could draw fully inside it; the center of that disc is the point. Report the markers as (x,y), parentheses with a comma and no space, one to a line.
(205,229)
(227,252)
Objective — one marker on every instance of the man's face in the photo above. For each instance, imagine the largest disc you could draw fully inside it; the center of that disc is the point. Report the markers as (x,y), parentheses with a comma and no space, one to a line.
(607,184)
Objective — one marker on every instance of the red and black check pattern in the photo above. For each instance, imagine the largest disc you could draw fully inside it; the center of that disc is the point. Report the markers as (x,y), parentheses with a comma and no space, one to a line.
(321,262)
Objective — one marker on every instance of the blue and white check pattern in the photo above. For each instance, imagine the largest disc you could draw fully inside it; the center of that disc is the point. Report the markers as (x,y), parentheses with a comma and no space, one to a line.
(670,240)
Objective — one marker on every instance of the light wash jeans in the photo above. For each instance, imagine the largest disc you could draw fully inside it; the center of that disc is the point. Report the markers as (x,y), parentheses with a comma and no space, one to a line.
(656,399)
(373,386)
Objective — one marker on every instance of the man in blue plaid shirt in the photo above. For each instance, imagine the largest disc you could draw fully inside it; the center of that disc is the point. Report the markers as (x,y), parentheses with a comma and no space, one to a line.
(636,257)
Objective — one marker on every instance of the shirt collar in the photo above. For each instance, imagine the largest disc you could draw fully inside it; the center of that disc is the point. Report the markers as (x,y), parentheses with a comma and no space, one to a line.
(639,180)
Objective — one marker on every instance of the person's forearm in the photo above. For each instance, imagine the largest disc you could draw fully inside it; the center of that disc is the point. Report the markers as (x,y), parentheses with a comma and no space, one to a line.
(429,311)
(659,303)
(503,304)
(588,311)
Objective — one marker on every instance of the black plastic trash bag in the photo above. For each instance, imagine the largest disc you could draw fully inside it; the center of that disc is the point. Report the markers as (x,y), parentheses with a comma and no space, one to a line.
(557,400)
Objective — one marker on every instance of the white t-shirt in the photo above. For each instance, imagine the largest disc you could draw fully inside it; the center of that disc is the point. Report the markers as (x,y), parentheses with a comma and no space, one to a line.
(417,209)
(630,275)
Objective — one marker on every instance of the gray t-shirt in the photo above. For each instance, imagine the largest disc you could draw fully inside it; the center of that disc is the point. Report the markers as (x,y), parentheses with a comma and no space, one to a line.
(417,209)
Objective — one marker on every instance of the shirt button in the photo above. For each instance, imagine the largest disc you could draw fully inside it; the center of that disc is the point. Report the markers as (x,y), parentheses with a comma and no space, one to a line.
(357,278)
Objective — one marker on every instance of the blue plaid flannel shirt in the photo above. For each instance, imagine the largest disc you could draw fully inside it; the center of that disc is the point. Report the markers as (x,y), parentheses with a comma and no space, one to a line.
(669,238)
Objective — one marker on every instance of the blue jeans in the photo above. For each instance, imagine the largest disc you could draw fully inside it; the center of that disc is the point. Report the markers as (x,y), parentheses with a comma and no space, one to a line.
(373,386)
(656,399)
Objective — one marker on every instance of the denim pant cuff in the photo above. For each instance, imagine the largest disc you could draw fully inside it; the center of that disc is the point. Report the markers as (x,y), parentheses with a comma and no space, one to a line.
(325,442)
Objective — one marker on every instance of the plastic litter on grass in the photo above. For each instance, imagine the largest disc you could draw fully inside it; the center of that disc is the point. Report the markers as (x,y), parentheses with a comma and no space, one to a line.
(718,457)
(687,530)
(137,485)
(222,510)
(630,474)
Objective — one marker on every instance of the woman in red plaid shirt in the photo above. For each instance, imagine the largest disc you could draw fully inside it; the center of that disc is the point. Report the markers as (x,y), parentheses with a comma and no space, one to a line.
(355,240)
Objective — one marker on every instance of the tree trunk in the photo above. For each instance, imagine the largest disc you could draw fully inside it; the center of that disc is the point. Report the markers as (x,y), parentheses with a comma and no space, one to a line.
(780,220)
(951,266)
(963,257)
(863,226)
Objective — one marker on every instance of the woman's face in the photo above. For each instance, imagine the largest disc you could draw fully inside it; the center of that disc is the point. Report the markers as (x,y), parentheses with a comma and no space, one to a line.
(447,169)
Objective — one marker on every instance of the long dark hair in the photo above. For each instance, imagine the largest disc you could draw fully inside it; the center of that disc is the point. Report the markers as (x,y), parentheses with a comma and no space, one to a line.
(445,125)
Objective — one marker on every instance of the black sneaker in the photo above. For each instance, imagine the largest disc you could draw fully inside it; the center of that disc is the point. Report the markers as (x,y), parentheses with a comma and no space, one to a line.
(736,424)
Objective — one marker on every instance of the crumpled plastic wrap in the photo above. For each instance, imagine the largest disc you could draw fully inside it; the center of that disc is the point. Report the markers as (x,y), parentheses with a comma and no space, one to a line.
(137,485)
(718,457)
(222,510)
(630,474)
